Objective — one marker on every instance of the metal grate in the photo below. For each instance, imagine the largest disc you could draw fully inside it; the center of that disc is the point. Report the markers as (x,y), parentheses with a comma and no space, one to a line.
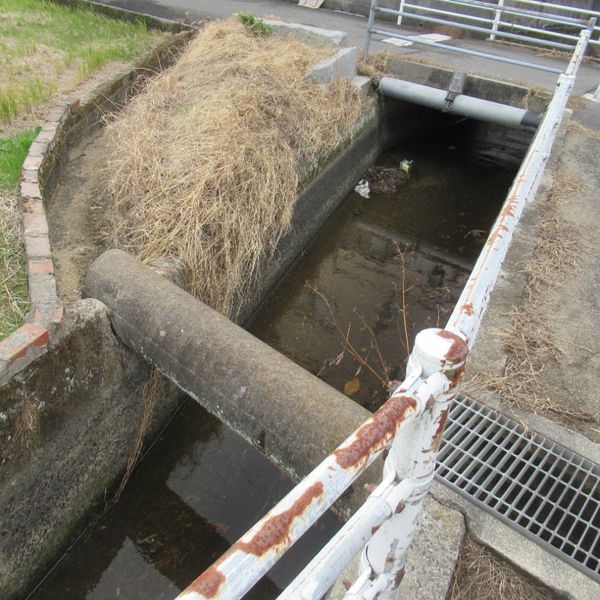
(543,490)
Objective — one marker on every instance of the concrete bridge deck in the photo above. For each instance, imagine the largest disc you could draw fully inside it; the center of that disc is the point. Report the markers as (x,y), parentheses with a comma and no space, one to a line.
(355,26)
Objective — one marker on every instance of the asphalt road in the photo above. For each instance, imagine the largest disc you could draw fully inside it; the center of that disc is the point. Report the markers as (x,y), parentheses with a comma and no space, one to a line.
(355,26)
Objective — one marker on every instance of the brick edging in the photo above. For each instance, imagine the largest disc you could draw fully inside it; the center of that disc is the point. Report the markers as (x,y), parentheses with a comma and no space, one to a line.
(46,311)
(45,315)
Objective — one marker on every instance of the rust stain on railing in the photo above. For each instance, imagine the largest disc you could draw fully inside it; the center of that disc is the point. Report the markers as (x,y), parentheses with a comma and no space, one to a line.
(276,529)
(209,582)
(273,532)
(377,432)
(457,353)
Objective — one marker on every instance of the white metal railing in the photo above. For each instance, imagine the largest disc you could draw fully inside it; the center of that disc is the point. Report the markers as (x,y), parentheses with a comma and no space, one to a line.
(493,24)
(373,29)
(410,425)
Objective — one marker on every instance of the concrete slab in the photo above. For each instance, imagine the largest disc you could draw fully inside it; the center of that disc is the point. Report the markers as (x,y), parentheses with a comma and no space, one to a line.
(341,64)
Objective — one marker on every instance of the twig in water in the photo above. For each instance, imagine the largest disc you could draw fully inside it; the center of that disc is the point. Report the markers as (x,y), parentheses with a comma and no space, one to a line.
(345,340)
(403,310)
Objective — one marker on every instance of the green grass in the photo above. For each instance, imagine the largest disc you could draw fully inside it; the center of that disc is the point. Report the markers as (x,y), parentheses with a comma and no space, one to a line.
(13,151)
(42,44)
(14,296)
(45,48)
(258,26)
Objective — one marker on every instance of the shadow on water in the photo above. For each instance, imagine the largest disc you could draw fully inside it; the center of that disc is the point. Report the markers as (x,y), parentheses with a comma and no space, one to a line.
(198,490)
(202,486)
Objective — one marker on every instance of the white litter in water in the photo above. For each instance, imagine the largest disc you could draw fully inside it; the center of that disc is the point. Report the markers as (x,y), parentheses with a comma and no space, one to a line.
(362,188)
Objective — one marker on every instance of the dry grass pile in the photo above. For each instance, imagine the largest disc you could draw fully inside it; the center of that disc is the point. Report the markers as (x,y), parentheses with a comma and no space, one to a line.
(14,299)
(377,65)
(529,343)
(481,575)
(209,158)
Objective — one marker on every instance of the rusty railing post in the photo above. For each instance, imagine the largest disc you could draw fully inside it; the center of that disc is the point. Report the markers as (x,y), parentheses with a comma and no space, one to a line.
(412,457)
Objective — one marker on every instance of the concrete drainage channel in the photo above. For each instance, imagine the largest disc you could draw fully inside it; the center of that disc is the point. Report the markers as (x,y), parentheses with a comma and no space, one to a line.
(290,441)
(359,241)
(254,387)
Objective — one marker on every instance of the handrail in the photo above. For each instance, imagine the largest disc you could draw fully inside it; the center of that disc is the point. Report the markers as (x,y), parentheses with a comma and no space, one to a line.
(565,7)
(413,11)
(512,10)
(506,34)
(410,424)
(498,12)
(460,50)
(470,306)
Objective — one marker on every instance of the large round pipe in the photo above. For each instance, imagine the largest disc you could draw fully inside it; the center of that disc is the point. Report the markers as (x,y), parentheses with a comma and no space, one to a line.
(296,418)
(476,108)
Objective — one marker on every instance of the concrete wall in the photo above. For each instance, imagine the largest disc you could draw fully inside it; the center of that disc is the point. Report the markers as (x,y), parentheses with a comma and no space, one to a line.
(67,424)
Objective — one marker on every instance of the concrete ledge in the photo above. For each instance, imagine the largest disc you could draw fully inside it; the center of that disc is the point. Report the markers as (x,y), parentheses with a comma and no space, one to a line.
(364,84)
(341,64)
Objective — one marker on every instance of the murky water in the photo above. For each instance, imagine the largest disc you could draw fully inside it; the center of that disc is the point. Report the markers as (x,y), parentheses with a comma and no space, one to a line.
(196,492)
(438,219)
(202,486)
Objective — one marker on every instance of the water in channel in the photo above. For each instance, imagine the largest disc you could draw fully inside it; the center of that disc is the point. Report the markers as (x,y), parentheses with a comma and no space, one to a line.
(387,265)
(384,267)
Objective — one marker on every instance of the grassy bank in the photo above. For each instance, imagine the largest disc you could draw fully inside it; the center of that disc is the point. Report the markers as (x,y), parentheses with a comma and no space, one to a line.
(13,278)
(46,47)
(45,50)
(205,162)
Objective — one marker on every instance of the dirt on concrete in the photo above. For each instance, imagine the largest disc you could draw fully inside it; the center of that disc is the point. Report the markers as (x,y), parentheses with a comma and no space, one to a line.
(77,217)
(542,343)
(482,575)
(573,308)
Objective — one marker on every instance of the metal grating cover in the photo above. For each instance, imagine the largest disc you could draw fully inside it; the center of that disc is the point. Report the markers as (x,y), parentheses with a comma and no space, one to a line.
(540,488)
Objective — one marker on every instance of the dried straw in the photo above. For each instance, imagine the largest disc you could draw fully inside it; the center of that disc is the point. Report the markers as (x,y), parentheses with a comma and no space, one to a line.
(208,160)
(530,346)
(481,575)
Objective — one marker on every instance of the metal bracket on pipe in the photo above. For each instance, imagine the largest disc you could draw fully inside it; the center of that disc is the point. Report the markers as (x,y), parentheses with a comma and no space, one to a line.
(455,88)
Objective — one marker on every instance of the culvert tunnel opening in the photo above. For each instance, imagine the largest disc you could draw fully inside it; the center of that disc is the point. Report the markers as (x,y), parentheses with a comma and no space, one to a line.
(168,527)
